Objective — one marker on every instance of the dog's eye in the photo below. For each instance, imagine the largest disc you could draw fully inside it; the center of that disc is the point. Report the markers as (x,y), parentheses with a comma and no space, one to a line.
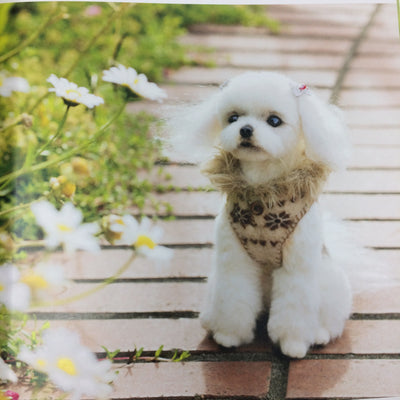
(233,118)
(274,121)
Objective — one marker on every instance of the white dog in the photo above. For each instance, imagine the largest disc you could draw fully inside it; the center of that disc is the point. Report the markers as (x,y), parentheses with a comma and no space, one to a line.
(270,144)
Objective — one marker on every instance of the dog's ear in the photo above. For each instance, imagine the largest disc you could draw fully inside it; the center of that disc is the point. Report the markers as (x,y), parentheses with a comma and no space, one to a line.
(325,132)
(193,130)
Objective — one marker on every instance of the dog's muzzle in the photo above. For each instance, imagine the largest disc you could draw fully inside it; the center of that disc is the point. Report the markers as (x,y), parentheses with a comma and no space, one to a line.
(246,133)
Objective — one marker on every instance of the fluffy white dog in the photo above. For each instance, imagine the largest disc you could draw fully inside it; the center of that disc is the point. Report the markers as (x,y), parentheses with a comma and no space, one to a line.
(270,144)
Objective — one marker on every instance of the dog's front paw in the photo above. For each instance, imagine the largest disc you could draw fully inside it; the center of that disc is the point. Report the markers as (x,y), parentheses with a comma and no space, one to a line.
(291,345)
(232,340)
(294,348)
(322,337)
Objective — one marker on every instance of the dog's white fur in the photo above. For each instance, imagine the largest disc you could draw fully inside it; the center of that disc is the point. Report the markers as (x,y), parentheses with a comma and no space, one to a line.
(309,296)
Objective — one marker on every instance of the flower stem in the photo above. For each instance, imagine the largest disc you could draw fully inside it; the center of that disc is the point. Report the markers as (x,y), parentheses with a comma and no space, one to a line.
(94,39)
(58,133)
(93,290)
(398,14)
(90,44)
(46,164)
(54,16)
(19,207)
(30,244)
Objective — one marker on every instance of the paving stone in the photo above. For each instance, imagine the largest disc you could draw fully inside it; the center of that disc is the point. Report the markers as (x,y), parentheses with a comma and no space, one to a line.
(353,181)
(182,380)
(173,334)
(217,76)
(299,30)
(371,80)
(371,47)
(277,61)
(373,98)
(386,62)
(391,31)
(202,232)
(363,181)
(186,263)
(362,206)
(388,117)
(279,44)
(375,157)
(187,297)
(208,204)
(130,298)
(309,379)
(379,301)
(306,15)
(375,136)
(365,337)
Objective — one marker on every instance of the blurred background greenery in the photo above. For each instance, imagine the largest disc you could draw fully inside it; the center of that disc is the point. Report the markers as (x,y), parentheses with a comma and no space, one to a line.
(78,40)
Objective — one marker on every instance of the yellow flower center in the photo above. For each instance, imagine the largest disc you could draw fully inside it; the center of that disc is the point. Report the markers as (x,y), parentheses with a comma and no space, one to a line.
(35,281)
(74,91)
(67,365)
(64,228)
(80,166)
(144,240)
(68,189)
(41,363)
(1,287)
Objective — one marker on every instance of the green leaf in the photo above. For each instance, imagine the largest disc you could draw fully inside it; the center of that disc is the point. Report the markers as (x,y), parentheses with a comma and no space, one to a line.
(139,352)
(159,351)
(110,354)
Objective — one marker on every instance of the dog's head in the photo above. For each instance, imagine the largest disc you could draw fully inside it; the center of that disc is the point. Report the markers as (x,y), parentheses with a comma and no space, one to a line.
(259,116)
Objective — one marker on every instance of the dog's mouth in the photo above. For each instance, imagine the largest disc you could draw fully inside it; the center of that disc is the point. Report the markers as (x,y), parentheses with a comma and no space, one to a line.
(245,144)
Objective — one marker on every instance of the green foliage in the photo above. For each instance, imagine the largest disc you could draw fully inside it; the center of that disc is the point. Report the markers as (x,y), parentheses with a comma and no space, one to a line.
(110,354)
(184,355)
(80,40)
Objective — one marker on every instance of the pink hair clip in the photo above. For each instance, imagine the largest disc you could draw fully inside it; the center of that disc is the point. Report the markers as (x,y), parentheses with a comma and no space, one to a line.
(300,89)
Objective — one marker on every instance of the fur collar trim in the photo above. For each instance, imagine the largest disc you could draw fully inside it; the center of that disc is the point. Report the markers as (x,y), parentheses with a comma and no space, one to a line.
(305,181)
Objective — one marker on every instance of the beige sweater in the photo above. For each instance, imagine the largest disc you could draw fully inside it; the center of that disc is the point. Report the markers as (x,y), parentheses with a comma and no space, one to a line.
(264,216)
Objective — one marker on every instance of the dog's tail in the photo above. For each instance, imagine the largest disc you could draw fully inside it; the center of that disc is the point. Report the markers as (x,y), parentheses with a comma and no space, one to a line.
(366,267)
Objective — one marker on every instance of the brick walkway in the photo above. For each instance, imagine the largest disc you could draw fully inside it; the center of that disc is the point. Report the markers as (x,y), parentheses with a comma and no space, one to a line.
(353,52)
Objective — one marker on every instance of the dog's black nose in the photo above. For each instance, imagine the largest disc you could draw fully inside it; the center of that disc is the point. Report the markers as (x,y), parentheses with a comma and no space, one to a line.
(246,131)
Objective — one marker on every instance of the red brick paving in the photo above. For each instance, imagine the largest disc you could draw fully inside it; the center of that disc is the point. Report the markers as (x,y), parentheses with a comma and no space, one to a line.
(310,379)
(201,379)
(156,307)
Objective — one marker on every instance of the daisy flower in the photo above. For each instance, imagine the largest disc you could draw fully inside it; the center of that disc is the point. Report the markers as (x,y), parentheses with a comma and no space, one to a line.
(137,83)
(121,230)
(14,294)
(65,227)
(43,279)
(69,365)
(143,236)
(12,84)
(6,373)
(72,94)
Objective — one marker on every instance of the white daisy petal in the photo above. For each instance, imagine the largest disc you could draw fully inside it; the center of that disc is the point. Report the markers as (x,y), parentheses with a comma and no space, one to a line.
(6,373)
(64,227)
(12,84)
(72,94)
(70,365)
(14,295)
(138,84)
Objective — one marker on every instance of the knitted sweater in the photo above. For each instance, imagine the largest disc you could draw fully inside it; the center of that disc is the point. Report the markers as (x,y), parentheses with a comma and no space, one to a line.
(264,216)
